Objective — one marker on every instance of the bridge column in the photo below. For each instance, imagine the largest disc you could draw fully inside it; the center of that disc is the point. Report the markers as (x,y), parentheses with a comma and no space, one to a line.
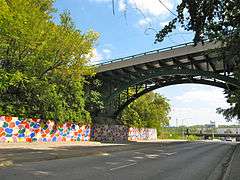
(107,114)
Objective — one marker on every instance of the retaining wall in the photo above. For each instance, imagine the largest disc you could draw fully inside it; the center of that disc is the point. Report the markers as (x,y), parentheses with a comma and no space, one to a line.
(15,129)
(109,133)
(135,134)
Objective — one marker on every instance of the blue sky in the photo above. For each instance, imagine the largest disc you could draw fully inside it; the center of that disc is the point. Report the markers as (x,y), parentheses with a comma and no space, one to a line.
(132,30)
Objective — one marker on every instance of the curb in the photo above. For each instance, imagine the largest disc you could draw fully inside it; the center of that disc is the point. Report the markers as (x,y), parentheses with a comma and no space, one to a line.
(229,165)
(220,170)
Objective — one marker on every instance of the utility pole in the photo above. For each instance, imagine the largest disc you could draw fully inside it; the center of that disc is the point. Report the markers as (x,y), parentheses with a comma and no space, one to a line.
(182,129)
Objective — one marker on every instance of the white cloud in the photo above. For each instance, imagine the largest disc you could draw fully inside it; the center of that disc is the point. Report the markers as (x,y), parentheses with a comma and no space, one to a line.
(193,104)
(193,116)
(122,5)
(96,57)
(107,52)
(144,22)
(148,7)
(100,55)
(152,7)
(164,23)
(208,96)
(152,10)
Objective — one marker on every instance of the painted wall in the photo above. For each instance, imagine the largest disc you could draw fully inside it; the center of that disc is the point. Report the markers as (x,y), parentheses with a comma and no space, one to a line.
(109,133)
(117,133)
(136,134)
(14,129)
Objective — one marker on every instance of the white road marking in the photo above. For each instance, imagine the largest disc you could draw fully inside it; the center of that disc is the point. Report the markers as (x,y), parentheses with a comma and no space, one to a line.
(187,148)
(98,168)
(120,167)
(169,154)
(113,163)
(40,173)
(131,160)
(159,150)
(138,157)
(152,156)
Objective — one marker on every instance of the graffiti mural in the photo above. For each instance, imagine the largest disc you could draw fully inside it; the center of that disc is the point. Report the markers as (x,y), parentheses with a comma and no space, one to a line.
(14,129)
(109,133)
(118,133)
(135,134)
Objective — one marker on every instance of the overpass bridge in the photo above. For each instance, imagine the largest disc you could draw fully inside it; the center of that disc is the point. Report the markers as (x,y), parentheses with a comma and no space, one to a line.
(210,135)
(126,79)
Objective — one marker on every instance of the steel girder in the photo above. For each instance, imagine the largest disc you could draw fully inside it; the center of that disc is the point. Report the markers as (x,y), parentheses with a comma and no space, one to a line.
(169,83)
(172,72)
(114,105)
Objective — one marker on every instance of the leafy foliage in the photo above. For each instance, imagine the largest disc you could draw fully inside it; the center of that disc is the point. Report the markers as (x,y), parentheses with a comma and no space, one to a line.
(94,101)
(150,110)
(216,20)
(42,64)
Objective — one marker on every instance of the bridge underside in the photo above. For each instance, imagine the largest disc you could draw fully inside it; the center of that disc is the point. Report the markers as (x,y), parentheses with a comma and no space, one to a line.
(127,79)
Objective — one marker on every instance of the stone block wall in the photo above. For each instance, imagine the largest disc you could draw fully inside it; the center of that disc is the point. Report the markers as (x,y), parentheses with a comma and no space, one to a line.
(109,133)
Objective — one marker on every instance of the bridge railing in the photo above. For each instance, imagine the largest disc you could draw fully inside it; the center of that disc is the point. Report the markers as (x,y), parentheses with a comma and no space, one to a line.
(145,53)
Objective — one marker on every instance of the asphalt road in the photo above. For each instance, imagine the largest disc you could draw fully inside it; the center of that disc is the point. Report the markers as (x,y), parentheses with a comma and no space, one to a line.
(184,161)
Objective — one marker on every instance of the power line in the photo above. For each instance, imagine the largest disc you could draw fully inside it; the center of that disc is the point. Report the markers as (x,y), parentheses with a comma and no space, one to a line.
(167,8)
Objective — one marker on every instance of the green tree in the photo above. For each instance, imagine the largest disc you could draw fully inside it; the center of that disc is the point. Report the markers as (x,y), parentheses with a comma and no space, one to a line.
(150,111)
(216,20)
(42,64)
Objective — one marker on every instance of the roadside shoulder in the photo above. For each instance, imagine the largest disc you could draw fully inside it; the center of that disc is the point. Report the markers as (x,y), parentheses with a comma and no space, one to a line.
(233,170)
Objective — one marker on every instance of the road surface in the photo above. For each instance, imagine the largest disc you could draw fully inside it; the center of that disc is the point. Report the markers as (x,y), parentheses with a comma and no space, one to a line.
(183,161)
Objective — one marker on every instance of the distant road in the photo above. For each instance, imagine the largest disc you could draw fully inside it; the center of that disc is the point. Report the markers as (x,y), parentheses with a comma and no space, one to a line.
(151,161)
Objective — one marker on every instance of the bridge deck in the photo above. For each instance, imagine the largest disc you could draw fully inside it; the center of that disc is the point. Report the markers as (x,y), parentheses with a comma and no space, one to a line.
(215,135)
(181,54)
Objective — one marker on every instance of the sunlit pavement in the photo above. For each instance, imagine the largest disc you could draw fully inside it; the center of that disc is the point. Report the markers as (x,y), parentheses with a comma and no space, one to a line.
(170,161)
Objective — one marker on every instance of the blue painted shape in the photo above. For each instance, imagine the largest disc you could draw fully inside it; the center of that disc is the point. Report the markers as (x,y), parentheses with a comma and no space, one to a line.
(21,135)
(8,130)
(17,123)
(73,127)
(36,126)
(32,134)
(44,140)
(54,139)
